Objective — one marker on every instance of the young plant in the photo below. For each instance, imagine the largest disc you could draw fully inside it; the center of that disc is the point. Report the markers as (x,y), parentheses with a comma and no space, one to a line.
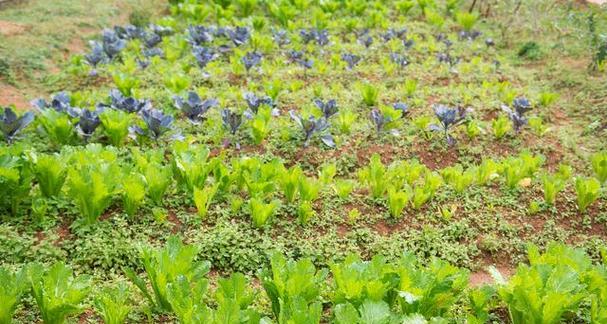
(448,118)
(113,304)
(203,198)
(192,167)
(486,171)
(429,290)
(343,187)
(57,126)
(587,190)
(555,183)
(386,119)
(357,281)
(177,83)
(164,267)
(50,172)
(311,126)
(520,107)
(369,94)
(515,169)
(466,20)
(57,293)
(501,126)
(398,200)
(546,291)
(459,179)
(328,108)
(289,182)
(15,182)
(599,166)
(11,124)
(133,193)
(293,288)
(375,177)
(194,108)
(261,212)
(344,121)
(260,125)
(157,123)
(115,125)
(12,287)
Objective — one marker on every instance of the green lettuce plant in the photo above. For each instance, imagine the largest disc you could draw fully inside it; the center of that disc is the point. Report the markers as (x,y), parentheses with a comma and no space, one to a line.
(57,292)
(203,198)
(164,266)
(587,190)
(113,304)
(133,193)
(599,166)
(293,288)
(398,200)
(115,125)
(50,172)
(261,212)
(12,287)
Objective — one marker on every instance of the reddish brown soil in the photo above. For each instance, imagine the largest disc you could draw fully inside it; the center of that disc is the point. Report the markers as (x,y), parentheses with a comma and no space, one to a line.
(10,95)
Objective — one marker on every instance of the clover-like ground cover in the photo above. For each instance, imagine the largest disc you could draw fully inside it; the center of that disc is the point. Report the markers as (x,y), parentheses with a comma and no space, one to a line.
(455,130)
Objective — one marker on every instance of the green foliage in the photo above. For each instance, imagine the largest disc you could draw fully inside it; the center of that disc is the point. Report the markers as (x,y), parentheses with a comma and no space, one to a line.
(369,312)
(343,188)
(57,293)
(501,126)
(369,94)
(92,185)
(466,20)
(177,83)
(374,176)
(430,291)
(15,182)
(486,171)
(599,165)
(192,167)
(289,182)
(515,169)
(587,190)
(260,125)
(548,289)
(133,193)
(50,173)
(555,183)
(164,267)
(112,304)
(530,50)
(186,298)
(125,83)
(293,288)
(357,281)
(57,126)
(115,125)
(546,99)
(203,198)
(459,179)
(262,212)
(12,287)
(397,200)
(157,176)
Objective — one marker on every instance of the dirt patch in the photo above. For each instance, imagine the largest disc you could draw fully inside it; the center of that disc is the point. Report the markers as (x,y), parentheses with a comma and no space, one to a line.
(9,28)
(483,277)
(10,95)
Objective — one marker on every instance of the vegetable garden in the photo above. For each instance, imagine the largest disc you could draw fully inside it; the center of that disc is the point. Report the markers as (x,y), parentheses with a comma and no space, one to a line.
(303,161)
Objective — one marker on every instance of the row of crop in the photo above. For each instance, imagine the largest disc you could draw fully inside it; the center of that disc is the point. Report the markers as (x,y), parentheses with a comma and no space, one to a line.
(561,284)
(94,177)
(63,124)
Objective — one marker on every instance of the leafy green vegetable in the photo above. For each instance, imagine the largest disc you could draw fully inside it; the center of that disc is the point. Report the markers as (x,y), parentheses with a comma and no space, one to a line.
(294,289)
(57,293)
(12,287)
(587,190)
(112,304)
(164,267)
